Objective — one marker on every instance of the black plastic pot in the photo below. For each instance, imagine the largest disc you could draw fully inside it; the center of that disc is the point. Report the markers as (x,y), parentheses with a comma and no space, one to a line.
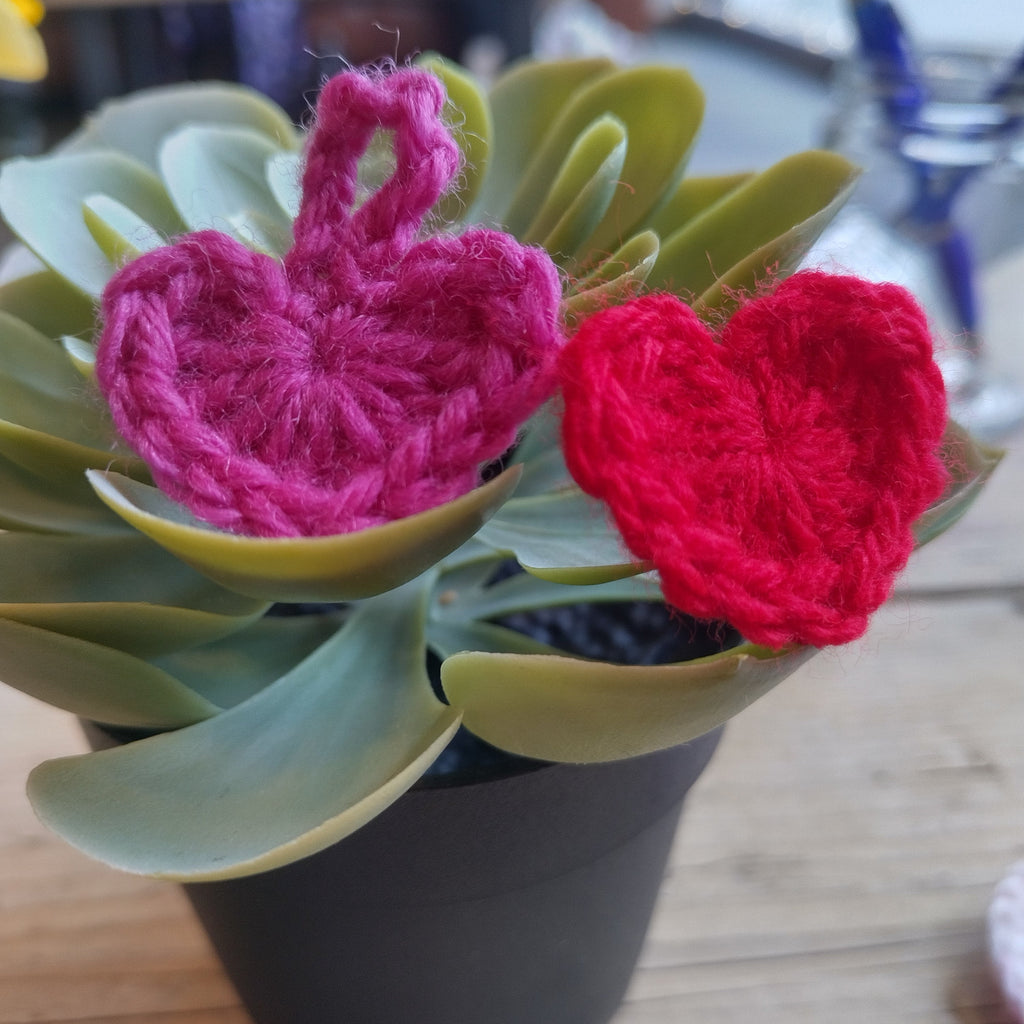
(519,900)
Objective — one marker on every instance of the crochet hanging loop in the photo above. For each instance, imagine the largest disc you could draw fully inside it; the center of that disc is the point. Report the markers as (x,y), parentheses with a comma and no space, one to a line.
(352,109)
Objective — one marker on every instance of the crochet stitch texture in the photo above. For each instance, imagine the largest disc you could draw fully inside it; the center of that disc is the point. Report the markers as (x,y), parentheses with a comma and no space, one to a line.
(365,377)
(771,475)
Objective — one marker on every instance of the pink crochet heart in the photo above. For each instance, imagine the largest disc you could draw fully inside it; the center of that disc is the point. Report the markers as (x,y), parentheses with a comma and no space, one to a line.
(366,377)
(771,475)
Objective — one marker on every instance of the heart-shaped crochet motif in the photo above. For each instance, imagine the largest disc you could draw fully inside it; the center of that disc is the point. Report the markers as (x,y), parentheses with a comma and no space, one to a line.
(366,377)
(772,475)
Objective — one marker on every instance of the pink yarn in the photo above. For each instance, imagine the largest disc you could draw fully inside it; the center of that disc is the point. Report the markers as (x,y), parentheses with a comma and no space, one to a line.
(367,377)
(771,475)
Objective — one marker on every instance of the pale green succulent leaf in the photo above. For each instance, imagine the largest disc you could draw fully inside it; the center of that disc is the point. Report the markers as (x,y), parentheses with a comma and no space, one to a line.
(616,280)
(137,125)
(450,638)
(217,179)
(41,389)
(261,233)
(661,108)
(970,464)
(28,501)
(771,204)
(780,257)
(82,355)
(377,164)
(568,709)
(59,461)
(468,114)
(564,537)
(344,567)
(143,630)
(693,195)
(284,174)
(471,554)
(118,231)
(18,260)
(539,436)
(41,199)
(545,473)
(582,191)
(230,670)
(341,737)
(48,303)
(524,102)
(525,591)
(95,682)
(632,261)
(121,592)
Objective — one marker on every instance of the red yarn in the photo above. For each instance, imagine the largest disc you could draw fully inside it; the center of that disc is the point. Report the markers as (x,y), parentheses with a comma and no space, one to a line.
(772,475)
(366,378)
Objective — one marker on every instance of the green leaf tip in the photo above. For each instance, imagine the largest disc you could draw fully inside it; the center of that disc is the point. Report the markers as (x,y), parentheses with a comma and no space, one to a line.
(345,567)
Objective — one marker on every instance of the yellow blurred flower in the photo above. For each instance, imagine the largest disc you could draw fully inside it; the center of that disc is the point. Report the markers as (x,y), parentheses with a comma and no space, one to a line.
(22,56)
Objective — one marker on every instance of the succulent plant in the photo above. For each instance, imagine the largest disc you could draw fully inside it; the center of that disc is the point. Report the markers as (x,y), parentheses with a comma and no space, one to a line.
(268,736)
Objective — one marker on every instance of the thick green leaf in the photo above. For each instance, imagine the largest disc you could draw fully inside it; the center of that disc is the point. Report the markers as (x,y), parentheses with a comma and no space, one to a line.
(661,108)
(40,388)
(121,592)
(137,124)
(118,231)
(615,280)
(48,303)
(769,205)
(261,233)
(94,681)
(233,669)
(52,422)
(41,199)
(545,473)
(524,102)
(294,769)
(525,591)
(780,257)
(217,179)
(632,262)
(468,114)
(691,198)
(566,709)
(539,436)
(345,567)
(449,638)
(582,191)
(82,355)
(28,501)
(970,464)
(284,174)
(61,462)
(563,537)
(469,557)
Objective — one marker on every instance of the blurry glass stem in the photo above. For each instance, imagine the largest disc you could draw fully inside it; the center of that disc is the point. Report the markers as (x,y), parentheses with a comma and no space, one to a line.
(929,221)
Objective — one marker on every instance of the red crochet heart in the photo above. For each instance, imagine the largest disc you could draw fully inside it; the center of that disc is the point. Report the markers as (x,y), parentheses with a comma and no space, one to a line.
(365,378)
(772,476)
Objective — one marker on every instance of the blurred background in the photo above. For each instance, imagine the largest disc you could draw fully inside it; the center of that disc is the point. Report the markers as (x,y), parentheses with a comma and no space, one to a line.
(100,48)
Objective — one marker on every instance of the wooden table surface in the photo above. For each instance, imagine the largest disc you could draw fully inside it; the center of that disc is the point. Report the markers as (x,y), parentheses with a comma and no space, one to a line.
(834,864)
